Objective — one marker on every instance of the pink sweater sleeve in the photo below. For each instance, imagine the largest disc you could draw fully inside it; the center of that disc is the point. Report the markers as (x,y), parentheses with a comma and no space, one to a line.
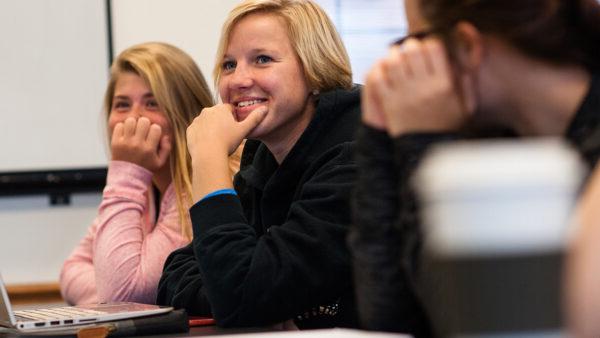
(128,249)
(77,277)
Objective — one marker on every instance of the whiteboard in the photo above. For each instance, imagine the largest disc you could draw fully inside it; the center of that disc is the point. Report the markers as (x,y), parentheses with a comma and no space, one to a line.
(192,25)
(54,63)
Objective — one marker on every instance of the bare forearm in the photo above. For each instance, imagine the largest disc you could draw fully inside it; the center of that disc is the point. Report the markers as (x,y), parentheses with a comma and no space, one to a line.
(210,173)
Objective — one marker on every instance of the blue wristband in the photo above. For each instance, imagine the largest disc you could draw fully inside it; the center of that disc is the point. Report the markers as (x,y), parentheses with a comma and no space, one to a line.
(219,192)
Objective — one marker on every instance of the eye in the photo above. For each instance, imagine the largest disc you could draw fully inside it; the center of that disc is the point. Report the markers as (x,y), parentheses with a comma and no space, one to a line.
(262,59)
(120,105)
(228,65)
(152,104)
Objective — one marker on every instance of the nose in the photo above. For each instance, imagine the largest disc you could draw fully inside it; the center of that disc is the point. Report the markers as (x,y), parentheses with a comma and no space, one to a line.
(241,77)
(136,110)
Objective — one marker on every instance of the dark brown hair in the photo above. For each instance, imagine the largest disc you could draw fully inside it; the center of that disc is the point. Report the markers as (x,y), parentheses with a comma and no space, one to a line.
(558,31)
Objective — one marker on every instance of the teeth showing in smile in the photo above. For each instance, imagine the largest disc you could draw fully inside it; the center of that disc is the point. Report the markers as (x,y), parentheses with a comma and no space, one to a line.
(248,103)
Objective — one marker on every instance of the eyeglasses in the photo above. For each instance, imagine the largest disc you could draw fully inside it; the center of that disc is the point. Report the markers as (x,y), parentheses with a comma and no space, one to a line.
(417,35)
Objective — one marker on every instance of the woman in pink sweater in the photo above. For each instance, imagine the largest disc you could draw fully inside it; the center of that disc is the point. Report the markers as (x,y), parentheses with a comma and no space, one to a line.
(155,91)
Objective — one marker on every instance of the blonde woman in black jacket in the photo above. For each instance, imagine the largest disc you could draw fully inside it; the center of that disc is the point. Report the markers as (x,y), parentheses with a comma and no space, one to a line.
(270,246)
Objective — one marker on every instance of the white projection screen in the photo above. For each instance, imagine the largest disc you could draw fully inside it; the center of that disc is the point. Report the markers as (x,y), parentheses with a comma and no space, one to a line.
(53,72)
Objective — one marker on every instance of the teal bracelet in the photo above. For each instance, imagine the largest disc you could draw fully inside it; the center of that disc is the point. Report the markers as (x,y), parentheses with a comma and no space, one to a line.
(220,192)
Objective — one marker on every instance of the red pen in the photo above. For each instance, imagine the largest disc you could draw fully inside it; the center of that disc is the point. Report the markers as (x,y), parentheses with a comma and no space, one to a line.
(200,321)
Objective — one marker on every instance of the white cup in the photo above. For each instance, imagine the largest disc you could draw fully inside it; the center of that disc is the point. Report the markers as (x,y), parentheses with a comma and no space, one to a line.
(496,218)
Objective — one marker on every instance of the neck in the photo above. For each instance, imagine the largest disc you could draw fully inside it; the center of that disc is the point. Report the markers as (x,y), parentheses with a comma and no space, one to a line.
(281,143)
(544,98)
(162,178)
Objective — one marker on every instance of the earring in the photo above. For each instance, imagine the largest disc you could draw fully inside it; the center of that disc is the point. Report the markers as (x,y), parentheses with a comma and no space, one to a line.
(315,92)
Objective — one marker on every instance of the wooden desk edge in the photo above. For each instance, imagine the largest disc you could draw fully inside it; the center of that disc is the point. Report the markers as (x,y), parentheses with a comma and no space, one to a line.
(34,293)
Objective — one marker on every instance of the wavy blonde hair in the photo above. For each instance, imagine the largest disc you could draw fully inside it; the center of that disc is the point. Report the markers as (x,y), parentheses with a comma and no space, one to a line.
(312,35)
(181,91)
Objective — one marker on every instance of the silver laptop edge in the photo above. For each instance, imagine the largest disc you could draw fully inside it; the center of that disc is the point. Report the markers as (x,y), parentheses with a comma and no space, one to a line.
(8,318)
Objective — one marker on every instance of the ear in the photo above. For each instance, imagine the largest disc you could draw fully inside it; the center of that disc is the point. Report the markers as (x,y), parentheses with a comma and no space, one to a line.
(469,47)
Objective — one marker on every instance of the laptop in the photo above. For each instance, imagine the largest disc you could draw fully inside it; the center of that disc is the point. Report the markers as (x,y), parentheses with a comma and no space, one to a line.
(56,318)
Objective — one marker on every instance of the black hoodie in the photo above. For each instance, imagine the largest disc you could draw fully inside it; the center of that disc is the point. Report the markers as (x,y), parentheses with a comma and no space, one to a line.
(277,250)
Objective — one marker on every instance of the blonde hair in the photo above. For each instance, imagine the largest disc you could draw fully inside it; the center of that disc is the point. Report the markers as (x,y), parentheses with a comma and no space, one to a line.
(312,35)
(181,91)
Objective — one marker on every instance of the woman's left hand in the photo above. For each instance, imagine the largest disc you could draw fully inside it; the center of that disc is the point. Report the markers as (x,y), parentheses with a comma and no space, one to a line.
(413,90)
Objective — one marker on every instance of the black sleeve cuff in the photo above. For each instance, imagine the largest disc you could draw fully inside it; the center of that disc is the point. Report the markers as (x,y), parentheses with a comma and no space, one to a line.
(214,211)
(409,149)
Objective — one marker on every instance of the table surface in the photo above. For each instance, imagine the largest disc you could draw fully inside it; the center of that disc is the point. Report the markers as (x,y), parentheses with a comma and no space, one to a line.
(199,331)
(212,330)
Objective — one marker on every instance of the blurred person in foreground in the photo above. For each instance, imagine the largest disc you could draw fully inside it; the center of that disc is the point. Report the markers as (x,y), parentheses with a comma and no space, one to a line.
(468,69)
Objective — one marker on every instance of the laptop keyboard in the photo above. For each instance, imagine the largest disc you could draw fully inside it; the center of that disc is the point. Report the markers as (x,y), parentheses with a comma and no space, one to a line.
(57,313)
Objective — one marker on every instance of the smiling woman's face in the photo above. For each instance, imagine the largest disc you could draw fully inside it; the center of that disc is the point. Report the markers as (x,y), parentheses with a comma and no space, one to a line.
(133,98)
(260,68)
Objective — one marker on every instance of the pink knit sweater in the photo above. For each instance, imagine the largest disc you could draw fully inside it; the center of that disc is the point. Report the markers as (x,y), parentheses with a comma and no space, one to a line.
(122,255)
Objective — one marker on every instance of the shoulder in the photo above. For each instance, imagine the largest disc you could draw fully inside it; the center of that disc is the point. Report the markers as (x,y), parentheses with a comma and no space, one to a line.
(340,102)
(335,123)
(341,98)
(336,164)
(341,153)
